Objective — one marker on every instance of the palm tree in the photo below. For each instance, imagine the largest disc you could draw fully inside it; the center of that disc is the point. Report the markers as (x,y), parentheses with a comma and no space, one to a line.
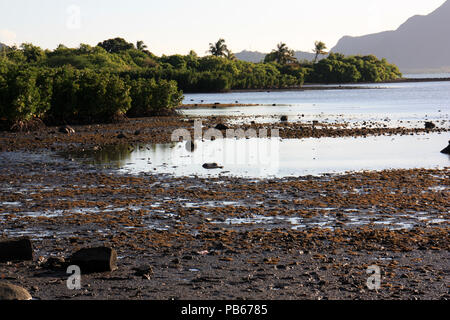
(319,49)
(141,46)
(230,55)
(218,49)
(282,54)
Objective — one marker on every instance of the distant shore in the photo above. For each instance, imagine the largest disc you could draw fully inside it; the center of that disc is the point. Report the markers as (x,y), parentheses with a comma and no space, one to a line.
(334,86)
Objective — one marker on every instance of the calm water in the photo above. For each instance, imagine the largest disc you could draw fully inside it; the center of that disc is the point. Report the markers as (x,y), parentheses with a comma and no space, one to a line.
(393,104)
(426,75)
(273,157)
(405,104)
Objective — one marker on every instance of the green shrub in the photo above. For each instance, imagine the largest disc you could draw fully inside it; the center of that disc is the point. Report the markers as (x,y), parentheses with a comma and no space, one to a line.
(87,96)
(24,93)
(337,68)
(151,98)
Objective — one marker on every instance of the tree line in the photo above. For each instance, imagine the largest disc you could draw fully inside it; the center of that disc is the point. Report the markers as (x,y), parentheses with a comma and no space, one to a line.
(117,78)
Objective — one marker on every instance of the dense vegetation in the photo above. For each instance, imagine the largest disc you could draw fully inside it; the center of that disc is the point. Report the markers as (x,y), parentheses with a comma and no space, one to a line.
(116,78)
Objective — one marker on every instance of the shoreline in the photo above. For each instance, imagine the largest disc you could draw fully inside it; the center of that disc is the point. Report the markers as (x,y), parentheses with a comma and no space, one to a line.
(332,86)
(158,130)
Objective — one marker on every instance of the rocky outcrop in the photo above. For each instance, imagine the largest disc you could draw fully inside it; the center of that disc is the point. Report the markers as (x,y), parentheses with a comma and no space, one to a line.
(16,250)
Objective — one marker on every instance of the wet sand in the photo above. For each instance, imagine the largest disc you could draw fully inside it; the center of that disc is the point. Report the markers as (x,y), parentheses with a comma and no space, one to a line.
(221,238)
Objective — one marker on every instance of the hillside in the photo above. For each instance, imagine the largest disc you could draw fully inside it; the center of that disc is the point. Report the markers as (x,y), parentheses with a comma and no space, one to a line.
(418,45)
(255,56)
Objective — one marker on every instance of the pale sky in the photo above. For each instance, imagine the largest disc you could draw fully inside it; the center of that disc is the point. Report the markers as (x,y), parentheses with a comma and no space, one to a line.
(177,26)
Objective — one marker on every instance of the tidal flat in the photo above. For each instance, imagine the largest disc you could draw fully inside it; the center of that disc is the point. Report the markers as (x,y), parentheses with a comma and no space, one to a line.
(224,234)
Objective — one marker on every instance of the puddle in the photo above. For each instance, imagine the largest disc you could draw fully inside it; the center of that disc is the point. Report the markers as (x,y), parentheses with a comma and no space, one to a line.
(212,204)
(353,218)
(11,204)
(274,157)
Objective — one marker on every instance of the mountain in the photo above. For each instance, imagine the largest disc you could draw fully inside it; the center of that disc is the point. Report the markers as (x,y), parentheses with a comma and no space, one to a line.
(250,56)
(255,56)
(418,45)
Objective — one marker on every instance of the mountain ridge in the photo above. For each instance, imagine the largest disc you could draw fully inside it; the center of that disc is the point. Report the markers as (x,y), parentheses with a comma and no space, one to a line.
(256,56)
(411,45)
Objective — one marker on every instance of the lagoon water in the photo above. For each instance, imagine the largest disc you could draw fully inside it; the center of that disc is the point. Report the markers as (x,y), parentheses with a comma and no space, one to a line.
(393,104)
(400,104)
(274,157)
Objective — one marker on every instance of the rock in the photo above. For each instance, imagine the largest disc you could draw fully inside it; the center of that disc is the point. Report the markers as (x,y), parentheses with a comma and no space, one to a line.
(284,118)
(146,272)
(90,260)
(212,166)
(221,126)
(191,146)
(66,129)
(429,125)
(11,292)
(137,132)
(54,263)
(16,250)
(446,150)
(121,136)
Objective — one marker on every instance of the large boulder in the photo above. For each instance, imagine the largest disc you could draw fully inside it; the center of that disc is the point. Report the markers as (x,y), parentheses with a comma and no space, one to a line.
(446,150)
(211,166)
(11,292)
(16,250)
(90,260)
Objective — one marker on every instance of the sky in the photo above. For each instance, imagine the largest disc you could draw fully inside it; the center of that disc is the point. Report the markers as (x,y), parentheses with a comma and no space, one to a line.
(178,26)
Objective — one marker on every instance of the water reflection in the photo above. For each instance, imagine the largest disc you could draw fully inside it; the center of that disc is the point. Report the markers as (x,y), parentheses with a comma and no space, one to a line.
(273,157)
